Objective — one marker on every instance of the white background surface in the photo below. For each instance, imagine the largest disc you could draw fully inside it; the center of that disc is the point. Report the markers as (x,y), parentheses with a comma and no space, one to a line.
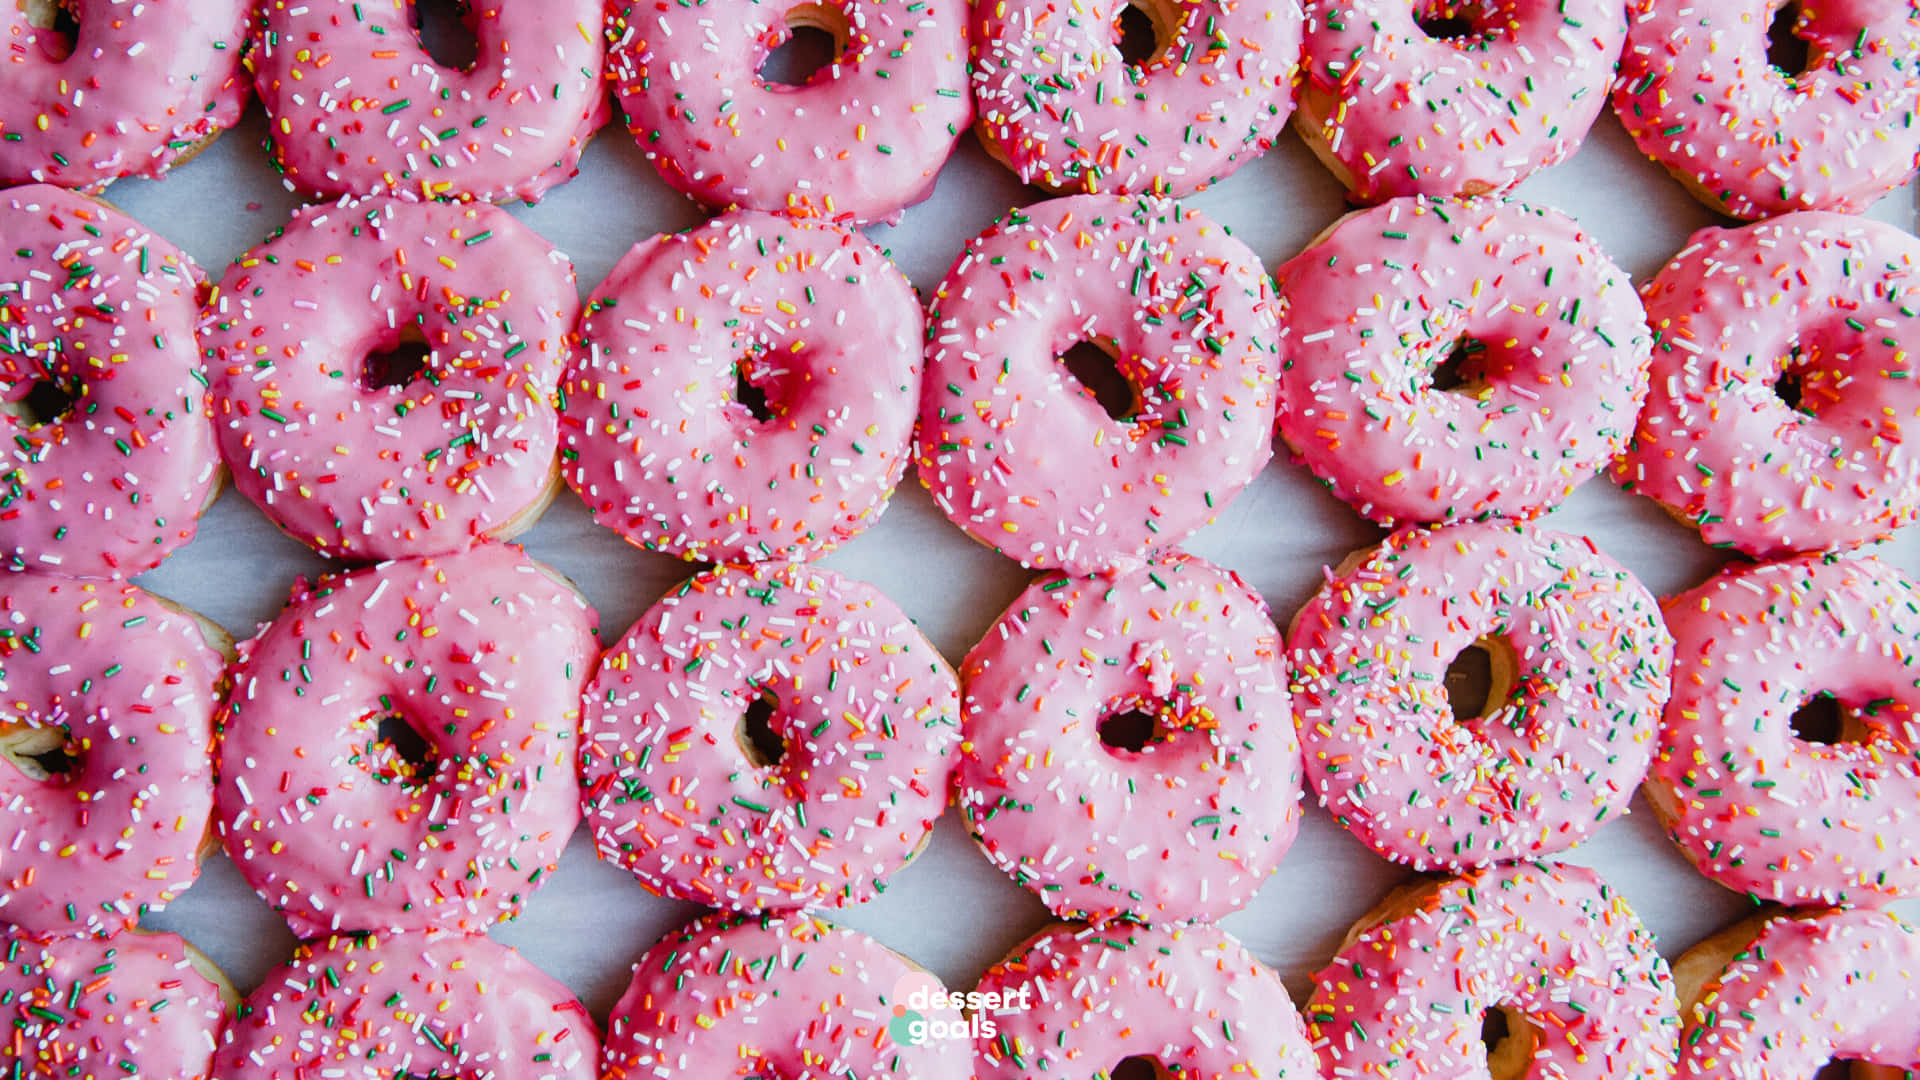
(951,911)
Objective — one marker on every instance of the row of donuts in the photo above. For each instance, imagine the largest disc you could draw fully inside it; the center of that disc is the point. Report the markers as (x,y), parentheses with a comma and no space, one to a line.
(1398,98)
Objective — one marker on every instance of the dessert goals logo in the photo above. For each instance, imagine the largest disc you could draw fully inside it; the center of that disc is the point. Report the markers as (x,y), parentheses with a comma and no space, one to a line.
(924,1010)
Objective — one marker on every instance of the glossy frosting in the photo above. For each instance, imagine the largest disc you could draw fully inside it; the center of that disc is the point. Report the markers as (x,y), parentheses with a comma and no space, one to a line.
(415,1005)
(1186,827)
(484,655)
(1397,111)
(138,88)
(1555,368)
(1555,761)
(815,317)
(1830,299)
(364,471)
(96,304)
(358,107)
(1018,452)
(863,138)
(1697,92)
(1194,998)
(1061,105)
(1554,944)
(772,995)
(865,710)
(1755,807)
(127,1006)
(134,684)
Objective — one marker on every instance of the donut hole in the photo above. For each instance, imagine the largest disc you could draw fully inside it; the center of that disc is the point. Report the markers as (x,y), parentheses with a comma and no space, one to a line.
(1139,1067)
(1457,23)
(42,754)
(445,30)
(1824,720)
(402,753)
(398,365)
(1480,680)
(1094,365)
(816,36)
(1463,370)
(752,375)
(45,402)
(1137,38)
(60,23)
(1509,1040)
(763,746)
(1789,53)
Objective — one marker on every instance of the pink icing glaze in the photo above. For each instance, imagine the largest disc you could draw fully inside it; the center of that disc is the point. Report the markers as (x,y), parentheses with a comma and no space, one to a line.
(1698,94)
(1555,760)
(358,107)
(787,995)
(1022,456)
(137,88)
(1752,805)
(134,684)
(1554,371)
(863,138)
(1552,943)
(410,1005)
(1845,984)
(484,655)
(864,710)
(656,441)
(1061,105)
(365,471)
(130,1005)
(1405,113)
(94,304)
(1186,827)
(1830,300)
(1194,999)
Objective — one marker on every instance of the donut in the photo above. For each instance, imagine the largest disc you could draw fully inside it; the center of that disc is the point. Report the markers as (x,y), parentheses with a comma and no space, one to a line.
(136,1004)
(1207,1009)
(94,90)
(859,140)
(768,736)
(775,995)
(433,1004)
(1751,803)
(725,406)
(1453,98)
(1025,458)
(1551,950)
(1457,359)
(110,453)
(1781,374)
(106,788)
(381,116)
(1062,105)
(1580,668)
(1700,97)
(398,750)
(383,373)
(1127,748)
(1775,997)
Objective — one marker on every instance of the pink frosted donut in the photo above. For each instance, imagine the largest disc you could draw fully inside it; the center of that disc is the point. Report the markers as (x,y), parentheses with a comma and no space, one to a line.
(1395,110)
(660,444)
(1445,359)
(864,137)
(334,421)
(380,116)
(1777,998)
(1698,93)
(398,749)
(1817,307)
(1192,1001)
(1551,949)
(1579,667)
(1021,455)
(129,90)
(733,995)
(1752,804)
(1063,108)
(771,736)
(106,788)
(376,1007)
(135,1004)
(1184,820)
(110,456)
